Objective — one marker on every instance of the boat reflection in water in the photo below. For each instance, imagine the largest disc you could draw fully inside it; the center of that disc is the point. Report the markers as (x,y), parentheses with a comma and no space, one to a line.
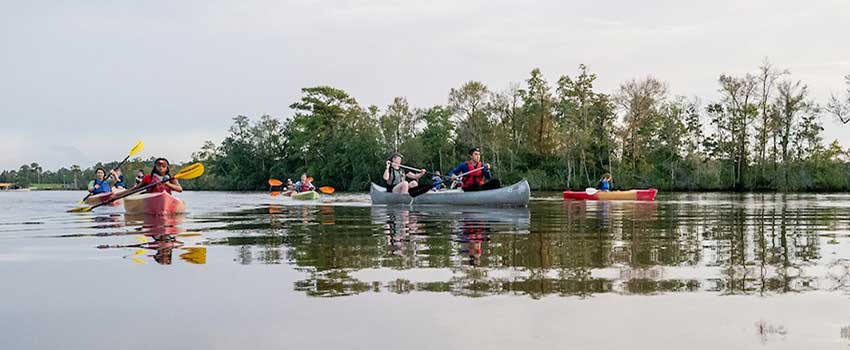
(716,243)
(159,234)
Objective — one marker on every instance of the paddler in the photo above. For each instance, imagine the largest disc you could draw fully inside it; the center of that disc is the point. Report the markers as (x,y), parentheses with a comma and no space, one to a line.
(478,180)
(100,184)
(604,184)
(160,171)
(303,185)
(119,185)
(395,177)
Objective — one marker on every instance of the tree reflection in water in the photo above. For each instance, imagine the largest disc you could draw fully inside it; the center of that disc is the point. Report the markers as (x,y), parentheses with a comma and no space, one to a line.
(724,244)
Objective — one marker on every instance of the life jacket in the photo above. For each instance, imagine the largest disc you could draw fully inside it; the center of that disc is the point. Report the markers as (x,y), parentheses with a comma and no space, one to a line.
(473,179)
(305,186)
(120,182)
(391,182)
(160,186)
(103,187)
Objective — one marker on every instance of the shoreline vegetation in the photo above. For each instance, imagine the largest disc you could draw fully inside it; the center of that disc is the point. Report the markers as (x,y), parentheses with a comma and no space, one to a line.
(763,134)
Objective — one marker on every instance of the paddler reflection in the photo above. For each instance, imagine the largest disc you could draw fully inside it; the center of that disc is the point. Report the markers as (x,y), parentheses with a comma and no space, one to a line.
(159,234)
(473,234)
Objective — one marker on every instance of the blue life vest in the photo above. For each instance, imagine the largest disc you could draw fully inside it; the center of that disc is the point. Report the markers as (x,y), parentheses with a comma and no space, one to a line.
(605,185)
(104,187)
(120,182)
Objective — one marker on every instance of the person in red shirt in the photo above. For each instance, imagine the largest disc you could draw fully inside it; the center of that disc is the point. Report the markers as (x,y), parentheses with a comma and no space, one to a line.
(160,171)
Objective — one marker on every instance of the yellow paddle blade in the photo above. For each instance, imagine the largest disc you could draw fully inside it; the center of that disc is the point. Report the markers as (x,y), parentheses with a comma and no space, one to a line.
(327,189)
(138,261)
(136,149)
(190,171)
(138,252)
(195,255)
(275,182)
(140,239)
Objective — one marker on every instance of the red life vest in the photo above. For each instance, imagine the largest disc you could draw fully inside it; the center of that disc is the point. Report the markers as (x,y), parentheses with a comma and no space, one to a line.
(160,187)
(305,186)
(472,179)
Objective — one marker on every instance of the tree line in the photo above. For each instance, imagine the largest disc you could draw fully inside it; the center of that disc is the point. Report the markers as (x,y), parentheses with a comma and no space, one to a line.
(763,133)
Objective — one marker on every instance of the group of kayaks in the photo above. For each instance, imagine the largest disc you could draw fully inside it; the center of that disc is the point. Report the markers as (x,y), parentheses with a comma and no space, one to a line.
(518,194)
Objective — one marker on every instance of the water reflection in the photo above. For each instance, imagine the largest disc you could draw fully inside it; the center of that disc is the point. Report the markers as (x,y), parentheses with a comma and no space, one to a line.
(157,238)
(723,244)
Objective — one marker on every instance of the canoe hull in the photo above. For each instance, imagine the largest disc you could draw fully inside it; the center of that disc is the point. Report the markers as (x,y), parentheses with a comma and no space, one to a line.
(305,196)
(633,195)
(160,203)
(516,195)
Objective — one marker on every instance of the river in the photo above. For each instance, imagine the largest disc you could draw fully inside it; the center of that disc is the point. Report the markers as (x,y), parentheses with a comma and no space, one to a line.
(247,270)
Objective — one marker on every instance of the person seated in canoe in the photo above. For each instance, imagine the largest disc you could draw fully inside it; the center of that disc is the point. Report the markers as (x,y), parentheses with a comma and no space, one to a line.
(119,185)
(100,184)
(437,181)
(396,177)
(604,184)
(160,171)
(476,175)
(303,185)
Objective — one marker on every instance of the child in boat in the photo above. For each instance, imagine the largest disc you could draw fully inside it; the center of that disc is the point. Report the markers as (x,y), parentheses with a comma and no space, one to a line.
(100,184)
(119,185)
(303,185)
(160,171)
(140,176)
(604,183)
(437,181)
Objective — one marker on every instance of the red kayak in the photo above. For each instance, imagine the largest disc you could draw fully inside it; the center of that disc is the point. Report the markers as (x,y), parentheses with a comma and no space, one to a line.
(102,197)
(160,203)
(632,195)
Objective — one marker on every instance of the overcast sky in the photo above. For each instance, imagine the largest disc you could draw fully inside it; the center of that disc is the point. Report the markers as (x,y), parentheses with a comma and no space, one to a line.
(81,81)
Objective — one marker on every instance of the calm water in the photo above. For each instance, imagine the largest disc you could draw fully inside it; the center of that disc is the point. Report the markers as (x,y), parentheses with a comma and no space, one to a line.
(689,271)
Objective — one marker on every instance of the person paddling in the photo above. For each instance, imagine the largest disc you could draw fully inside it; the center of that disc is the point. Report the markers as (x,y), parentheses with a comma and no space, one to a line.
(140,175)
(478,180)
(100,184)
(303,185)
(437,181)
(160,171)
(604,184)
(119,185)
(395,176)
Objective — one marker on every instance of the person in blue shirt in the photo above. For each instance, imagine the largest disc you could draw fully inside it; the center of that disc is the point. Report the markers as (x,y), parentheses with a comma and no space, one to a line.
(437,181)
(604,183)
(119,185)
(100,184)
(478,180)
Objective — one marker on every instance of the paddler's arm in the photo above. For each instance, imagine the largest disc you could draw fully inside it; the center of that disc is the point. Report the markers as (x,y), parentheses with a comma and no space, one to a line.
(387,172)
(486,171)
(174,185)
(460,169)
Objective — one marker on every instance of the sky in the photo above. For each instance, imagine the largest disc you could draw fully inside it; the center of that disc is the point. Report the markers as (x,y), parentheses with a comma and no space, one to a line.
(81,82)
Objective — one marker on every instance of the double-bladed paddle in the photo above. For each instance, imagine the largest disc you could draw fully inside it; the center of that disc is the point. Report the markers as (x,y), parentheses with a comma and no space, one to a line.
(188,172)
(136,149)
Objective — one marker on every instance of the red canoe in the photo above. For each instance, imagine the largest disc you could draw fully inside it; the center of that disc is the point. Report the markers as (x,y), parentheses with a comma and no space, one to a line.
(633,195)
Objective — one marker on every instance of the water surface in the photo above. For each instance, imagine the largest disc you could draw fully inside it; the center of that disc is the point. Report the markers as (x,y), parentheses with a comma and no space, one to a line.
(696,271)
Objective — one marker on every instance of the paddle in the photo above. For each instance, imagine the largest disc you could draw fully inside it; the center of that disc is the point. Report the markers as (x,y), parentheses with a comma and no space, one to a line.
(590,191)
(277,183)
(136,149)
(188,172)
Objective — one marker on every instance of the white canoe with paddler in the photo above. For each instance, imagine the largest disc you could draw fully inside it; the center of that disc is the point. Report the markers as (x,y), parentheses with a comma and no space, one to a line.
(515,195)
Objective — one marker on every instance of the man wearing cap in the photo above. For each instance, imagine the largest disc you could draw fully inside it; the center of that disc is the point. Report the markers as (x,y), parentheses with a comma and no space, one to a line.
(394,176)
(478,177)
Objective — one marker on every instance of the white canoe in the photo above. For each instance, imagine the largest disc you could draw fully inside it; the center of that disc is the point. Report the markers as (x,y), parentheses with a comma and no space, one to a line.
(511,196)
